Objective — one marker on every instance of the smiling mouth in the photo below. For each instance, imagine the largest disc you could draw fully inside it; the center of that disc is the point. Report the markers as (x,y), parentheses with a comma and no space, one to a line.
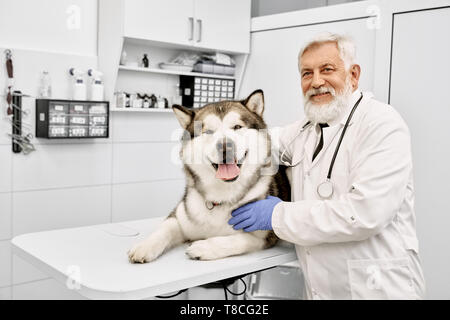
(320,94)
(229,172)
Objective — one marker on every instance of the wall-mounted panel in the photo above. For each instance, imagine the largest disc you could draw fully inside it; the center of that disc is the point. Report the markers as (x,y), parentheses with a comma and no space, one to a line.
(139,162)
(134,201)
(63,165)
(419,91)
(5,216)
(5,263)
(60,208)
(6,167)
(144,127)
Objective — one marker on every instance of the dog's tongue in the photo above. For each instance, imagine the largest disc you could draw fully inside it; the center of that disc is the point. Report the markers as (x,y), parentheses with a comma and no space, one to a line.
(227,171)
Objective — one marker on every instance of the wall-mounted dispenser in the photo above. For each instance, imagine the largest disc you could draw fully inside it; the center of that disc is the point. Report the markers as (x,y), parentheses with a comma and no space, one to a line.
(96,93)
(56,119)
(79,86)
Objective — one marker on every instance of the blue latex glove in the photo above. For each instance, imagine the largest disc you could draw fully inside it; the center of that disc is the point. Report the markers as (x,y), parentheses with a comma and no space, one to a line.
(254,215)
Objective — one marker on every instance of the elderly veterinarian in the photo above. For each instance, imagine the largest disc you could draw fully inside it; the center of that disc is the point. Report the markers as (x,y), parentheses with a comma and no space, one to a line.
(352,212)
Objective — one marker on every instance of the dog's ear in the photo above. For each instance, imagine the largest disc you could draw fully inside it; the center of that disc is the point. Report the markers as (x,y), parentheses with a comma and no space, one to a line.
(255,102)
(183,114)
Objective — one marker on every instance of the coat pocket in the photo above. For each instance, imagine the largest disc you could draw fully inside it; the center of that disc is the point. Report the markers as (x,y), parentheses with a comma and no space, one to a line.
(381,279)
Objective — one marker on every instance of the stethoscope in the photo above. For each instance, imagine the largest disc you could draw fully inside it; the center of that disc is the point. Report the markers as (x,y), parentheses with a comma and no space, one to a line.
(326,189)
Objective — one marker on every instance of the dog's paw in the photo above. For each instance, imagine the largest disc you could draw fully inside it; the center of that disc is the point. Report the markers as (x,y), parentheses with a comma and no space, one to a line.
(202,250)
(144,251)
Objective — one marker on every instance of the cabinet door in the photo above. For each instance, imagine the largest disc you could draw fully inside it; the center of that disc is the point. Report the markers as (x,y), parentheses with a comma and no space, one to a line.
(419,91)
(223,25)
(160,20)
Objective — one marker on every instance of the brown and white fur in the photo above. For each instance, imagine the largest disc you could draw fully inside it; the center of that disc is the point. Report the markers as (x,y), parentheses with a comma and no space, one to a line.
(215,135)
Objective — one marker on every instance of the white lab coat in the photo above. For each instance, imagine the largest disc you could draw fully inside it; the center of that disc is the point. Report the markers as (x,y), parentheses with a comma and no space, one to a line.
(361,243)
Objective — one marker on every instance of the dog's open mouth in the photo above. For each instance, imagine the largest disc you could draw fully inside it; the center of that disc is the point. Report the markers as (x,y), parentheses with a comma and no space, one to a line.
(229,172)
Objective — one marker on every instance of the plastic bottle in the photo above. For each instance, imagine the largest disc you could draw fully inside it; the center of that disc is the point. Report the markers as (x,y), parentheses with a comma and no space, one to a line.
(45,88)
(96,85)
(161,103)
(79,87)
(145,61)
(79,90)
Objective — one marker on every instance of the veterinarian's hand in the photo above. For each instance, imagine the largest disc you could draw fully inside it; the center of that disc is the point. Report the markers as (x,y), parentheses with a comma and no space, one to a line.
(255,215)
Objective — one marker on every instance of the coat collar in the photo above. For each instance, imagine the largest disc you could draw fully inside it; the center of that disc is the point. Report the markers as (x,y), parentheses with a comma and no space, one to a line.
(331,132)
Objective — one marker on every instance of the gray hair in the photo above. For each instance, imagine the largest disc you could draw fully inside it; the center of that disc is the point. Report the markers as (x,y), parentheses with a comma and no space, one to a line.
(345,44)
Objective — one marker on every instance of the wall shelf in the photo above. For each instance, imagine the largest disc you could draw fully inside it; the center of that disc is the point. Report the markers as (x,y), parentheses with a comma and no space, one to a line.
(116,37)
(174,72)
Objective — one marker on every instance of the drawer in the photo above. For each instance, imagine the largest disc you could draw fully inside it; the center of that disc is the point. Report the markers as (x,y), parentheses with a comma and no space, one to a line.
(78,108)
(98,131)
(95,120)
(58,107)
(78,119)
(58,118)
(100,108)
(58,131)
(78,131)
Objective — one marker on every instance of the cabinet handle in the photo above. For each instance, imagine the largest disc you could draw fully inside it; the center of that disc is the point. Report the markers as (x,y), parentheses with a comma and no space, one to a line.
(199,23)
(191,28)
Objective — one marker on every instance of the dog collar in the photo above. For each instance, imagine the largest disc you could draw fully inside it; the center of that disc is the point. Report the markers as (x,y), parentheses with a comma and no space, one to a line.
(210,204)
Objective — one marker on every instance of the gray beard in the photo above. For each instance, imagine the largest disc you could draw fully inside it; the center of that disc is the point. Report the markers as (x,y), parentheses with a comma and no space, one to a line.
(325,113)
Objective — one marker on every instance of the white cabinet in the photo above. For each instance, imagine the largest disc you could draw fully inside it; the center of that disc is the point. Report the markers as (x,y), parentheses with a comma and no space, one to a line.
(223,25)
(207,24)
(163,29)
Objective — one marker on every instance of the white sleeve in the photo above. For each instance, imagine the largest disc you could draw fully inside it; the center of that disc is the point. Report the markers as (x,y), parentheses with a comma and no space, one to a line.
(380,168)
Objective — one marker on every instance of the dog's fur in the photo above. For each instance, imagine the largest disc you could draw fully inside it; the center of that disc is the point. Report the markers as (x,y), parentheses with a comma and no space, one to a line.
(215,135)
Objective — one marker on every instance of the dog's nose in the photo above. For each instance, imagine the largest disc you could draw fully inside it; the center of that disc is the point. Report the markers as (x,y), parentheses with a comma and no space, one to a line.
(226,149)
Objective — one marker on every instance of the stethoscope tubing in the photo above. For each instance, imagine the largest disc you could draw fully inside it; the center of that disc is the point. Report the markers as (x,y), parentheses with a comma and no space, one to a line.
(330,170)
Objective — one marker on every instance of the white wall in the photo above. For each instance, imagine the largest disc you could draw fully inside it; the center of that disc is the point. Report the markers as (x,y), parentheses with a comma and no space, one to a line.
(72,183)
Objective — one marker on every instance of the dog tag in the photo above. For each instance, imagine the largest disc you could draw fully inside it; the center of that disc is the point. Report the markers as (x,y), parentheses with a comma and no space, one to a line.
(209,205)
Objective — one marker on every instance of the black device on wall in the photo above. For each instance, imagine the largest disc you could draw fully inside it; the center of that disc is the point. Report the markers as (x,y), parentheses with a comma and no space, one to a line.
(198,91)
(71,119)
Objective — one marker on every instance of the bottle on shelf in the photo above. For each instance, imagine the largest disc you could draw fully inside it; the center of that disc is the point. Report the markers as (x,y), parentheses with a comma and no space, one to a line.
(161,103)
(145,61)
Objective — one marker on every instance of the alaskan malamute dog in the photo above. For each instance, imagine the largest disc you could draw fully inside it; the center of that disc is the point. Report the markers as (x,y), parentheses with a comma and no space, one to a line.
(226,152)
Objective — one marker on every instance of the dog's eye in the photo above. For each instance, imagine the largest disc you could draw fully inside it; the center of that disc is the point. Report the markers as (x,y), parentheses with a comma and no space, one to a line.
(209,132)
(237,127)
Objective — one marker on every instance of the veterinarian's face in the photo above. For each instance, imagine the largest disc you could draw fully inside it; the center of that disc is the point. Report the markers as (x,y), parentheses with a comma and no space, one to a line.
(323,74)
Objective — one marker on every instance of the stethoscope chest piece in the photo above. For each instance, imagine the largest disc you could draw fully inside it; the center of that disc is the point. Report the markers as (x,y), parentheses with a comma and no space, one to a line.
(325,189)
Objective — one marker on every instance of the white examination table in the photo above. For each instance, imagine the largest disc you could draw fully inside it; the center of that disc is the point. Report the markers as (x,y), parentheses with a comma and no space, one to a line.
(94,261)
